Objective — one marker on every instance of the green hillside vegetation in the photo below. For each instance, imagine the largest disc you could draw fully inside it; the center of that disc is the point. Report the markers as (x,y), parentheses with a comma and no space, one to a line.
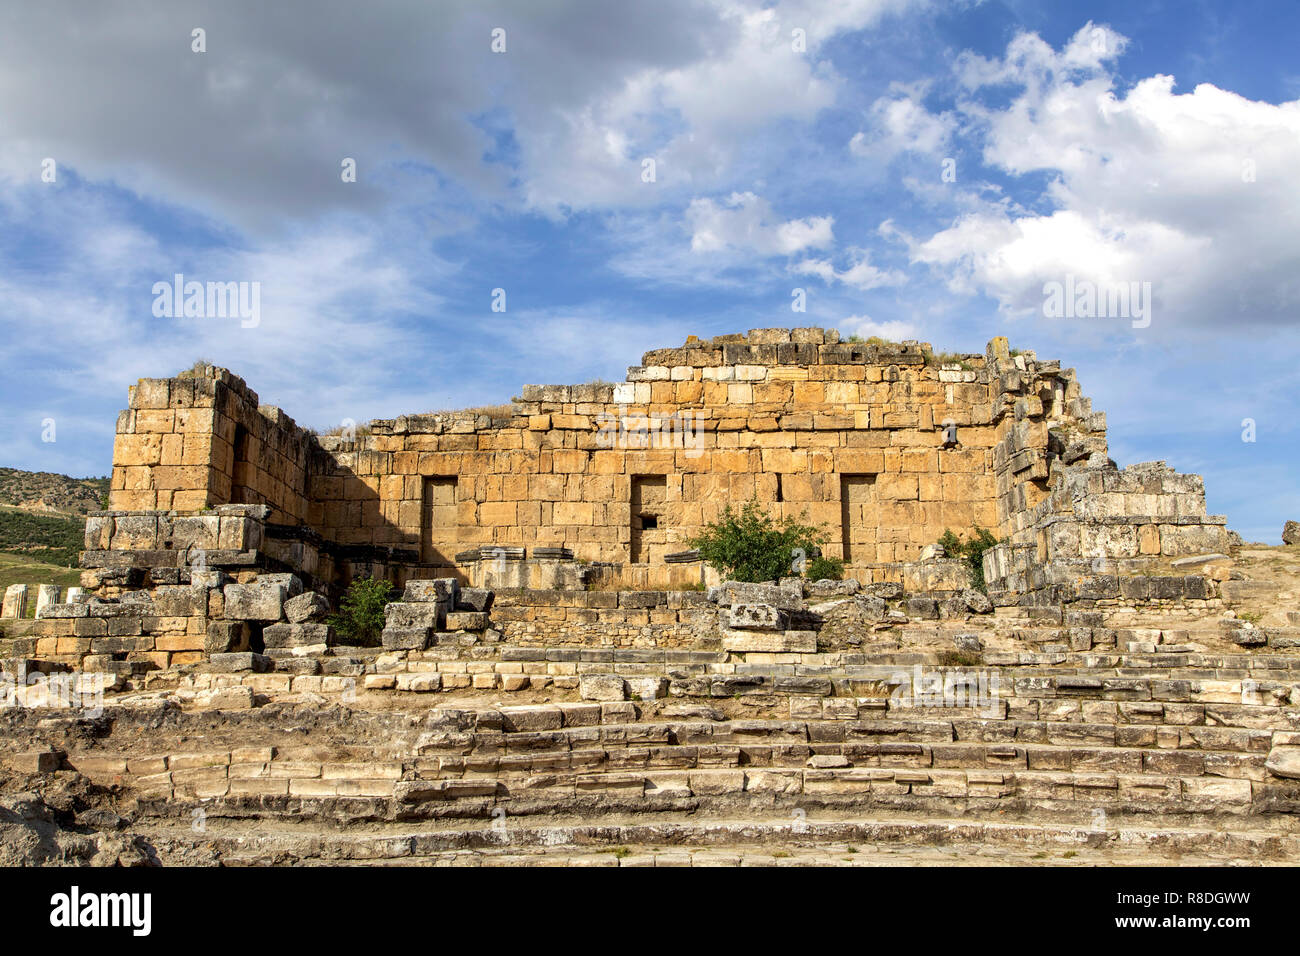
(45,538)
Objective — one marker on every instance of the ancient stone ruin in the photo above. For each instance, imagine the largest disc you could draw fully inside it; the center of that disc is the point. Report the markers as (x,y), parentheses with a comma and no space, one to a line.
(557,647)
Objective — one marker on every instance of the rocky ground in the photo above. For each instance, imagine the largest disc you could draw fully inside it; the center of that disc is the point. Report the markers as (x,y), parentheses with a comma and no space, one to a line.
(53,813)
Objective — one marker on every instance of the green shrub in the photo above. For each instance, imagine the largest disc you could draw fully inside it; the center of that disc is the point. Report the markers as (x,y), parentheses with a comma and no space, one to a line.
(822,567)
(971,551)
(753,546)
(361,612)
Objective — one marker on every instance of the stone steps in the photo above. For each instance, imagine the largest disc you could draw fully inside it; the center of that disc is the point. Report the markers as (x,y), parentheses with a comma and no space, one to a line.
(773,840)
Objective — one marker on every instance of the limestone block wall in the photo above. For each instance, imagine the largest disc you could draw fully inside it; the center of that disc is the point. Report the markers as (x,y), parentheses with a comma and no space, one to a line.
(883,445)
(202,439)
(849,435)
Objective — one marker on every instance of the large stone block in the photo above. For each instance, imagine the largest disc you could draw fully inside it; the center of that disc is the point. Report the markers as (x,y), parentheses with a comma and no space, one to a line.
(261,600)
(46,595)
(602,687)
(232,663)
(429,614)
(438,590)
(308,606)
(15,602)
(740,592)
(466,621)
(405,638)
(475,599)
(225,637)
(1284,762)
(759,617)
(297,635)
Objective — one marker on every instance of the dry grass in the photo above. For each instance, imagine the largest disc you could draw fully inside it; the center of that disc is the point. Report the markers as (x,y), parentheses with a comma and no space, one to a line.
(493,411)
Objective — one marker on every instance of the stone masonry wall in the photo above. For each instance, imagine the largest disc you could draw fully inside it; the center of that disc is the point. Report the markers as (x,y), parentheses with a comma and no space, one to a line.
(885,445)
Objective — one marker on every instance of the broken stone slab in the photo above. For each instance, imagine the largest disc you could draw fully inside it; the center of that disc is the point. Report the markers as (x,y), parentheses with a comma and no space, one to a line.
(1284,762)
(75,595)
(257,601)
(207,578)
(226,636)
(828,588)
(467,621)
(977,602)
(37,761)
(427,614)
(647,688)
(1244,633)
(475,599)
(15,601)
(435,590)
(291,583)
(46,595)
(405,638)
(1196,559)
(927,609)
(731,593)
(1291,532)
(227,698)
(602,687)
(759,617)
(297,635)
(531,718)
(233,663)
(873,609)
(770,642)
(308,606)
(885,590)
(968,642)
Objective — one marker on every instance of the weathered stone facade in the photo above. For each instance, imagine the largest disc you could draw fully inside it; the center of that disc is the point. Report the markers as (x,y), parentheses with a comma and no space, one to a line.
(884,445)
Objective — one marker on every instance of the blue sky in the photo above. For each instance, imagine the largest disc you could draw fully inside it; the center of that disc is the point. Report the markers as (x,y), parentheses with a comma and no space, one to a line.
(920,169)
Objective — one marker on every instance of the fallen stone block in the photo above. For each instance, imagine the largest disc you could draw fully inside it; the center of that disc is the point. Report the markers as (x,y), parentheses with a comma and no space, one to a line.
(297,635)
(225,636)
(431,614)
(257,601)
(759,617)
(37,761)
(466,621)
(226,698)
(233,663)
(475,599)
(432,590)
(405,638)
(732,593)
(1284,762)
(647,688)
(308,606)
(602,687)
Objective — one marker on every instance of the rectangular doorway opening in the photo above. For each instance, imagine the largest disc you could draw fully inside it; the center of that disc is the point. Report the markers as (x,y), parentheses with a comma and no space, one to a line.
(438,521)
(858,518)
(241,469)
(649,496)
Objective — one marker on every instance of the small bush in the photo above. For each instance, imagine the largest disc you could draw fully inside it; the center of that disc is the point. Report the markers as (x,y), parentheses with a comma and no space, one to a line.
(361,612)
(971,551)
(753,546)
(820,568)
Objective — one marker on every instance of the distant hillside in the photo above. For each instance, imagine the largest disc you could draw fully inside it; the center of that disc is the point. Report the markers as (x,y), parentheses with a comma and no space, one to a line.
(51,538)
(43,516)
(43,492)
